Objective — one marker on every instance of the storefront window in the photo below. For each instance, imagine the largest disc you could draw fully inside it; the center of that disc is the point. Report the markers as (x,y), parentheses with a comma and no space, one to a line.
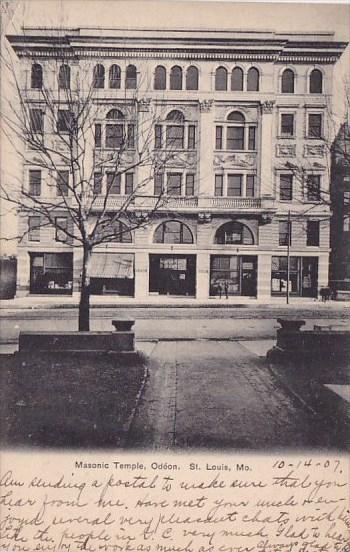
(233,275)
(302,276)
(51,273)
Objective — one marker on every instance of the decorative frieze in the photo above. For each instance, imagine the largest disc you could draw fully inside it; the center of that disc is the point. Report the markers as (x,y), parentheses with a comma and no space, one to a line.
(206,105)
(179,159)
(286,150)
(233,160)
(314,150)
(267,107)
(144,104)
(204,218)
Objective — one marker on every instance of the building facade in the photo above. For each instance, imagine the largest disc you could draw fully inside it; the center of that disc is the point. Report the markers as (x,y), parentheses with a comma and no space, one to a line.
(245,115)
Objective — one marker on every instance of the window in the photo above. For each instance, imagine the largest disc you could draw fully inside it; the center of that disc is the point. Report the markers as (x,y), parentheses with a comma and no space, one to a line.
(160,78)
(237,79)
(51,273)
(131,77)
(174,182)
(173,231)
(158,184)
(315,125)
(287,124)
(36,79)
(232,233)
(64,77)
(315,82)
(192,78)
(235,134)
(65,121)
(284,232)
(346,223)
(313,187)
(62,183)
(98,135)
(130,140)
(129,183)
(36,120)
(221,79)
(175,137)
(346,197)
(178,134)
(218,137)
(98,79)
(189,188)
(114,77)
(114,131)
(250,185)
(286,187)
(313,233)
(61,226)
(191,143)
(158,136)
(251,138)
(34,228)
(287,84)
(253,80)
(234,185)
(113,183)
(219,185)
(97,183)
(34,182)
(176,78)
(279,275)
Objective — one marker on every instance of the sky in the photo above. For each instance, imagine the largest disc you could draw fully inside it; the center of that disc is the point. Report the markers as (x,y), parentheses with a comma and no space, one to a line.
(278,16)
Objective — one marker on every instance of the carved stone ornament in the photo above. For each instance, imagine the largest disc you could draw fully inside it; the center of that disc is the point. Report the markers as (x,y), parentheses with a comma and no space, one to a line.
(179,159)
(286,150)
(204,218)
(313,150)
(265,218)
(206,105)
(231,160)
(144,104)
(267,107)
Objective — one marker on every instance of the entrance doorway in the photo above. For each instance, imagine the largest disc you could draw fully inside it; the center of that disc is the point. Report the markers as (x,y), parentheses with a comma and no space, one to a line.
(172,275)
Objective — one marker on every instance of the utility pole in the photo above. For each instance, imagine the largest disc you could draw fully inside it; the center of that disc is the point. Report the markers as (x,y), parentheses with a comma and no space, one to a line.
(288,256)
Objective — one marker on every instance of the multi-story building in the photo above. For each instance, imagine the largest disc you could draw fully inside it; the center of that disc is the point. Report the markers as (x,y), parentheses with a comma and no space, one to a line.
(246,113)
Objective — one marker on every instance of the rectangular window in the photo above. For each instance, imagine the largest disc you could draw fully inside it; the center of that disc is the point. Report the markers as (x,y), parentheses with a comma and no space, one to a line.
(189,189)
(98,136)
(158,184)
(250,185)
(34,183)
(313,233)
(191,137)
(313,187)
(174,181)
(36,120)
(286,187)
(315,125)
(61,224)
(235,138)
(34,228)
(158,136)
(234,185)
(284,232)
(346,197)
(114,136)
(218,138)
(113,183)
(97,183)
(287,124)
(62,183)
(175,137)
(219,185)
(251,138)
(279,275)
(131,136)
(346,223)
(64,121)
(129,183)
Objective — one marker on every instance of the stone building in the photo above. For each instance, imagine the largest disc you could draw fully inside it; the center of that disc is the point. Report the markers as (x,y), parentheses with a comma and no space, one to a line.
(245,112)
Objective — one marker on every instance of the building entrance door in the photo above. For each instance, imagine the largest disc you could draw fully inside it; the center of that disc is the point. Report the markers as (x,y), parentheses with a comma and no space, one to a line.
(172,275)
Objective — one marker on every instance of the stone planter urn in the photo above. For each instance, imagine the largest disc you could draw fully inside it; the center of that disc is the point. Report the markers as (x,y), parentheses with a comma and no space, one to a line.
(290,324)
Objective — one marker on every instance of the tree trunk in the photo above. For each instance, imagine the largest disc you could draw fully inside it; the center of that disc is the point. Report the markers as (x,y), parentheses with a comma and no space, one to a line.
(84,303)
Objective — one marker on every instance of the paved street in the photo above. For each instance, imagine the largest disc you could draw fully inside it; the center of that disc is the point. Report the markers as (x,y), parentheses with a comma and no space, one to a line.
(222,395)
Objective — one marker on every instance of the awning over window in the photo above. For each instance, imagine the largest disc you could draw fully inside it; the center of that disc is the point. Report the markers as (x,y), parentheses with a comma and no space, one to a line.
(112,265)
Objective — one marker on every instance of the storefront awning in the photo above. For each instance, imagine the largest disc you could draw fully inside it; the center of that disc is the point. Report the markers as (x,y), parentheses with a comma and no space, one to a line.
(112,265)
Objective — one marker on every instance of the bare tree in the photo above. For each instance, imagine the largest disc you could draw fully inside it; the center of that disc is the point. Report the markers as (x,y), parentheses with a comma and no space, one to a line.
(60,124)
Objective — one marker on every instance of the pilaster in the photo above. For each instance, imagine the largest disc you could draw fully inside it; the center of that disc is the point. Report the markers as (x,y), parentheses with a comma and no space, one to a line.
(145,146)
(206,148)
(202,290)
(266,149)
(141,275)
(264,276)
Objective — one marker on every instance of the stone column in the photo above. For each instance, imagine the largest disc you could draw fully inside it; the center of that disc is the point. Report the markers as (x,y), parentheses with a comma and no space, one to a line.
(145,146)
(141,275)
(202,284)
(206,148)
(264,277)
(266,149)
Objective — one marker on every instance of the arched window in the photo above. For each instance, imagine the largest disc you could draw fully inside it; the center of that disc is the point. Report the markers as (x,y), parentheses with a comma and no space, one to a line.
(236,116)
(98,80)
(175,131)
(221,79)
(131,77)
(237,79)
(235,133)
(253,80)
(115,231)
(36,76)
(176,116)
(234,233)
(114,76)
(160,78)
(173,231)
(192,78)
(315,82)
(118,134)
(287,85)
(114,114)
(64,77)
(176,78)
